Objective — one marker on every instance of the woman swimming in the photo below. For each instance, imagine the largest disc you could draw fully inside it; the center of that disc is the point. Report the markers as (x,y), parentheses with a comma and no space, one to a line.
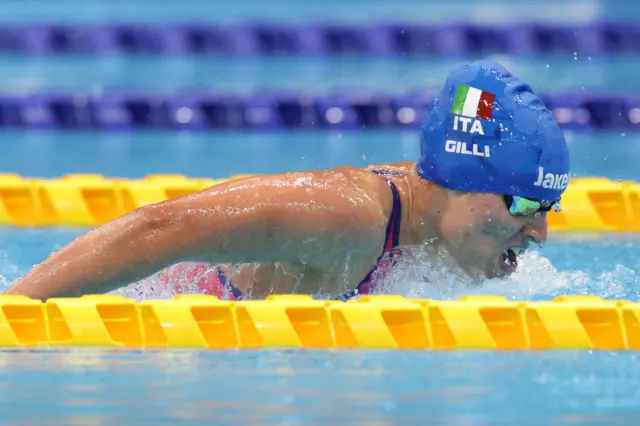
(493,162)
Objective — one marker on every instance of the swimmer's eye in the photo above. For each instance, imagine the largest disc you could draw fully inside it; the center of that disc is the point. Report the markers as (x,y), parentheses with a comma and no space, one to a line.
(521,206)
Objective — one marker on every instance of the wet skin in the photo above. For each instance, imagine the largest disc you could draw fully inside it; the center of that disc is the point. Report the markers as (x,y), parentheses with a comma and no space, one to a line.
(309,232)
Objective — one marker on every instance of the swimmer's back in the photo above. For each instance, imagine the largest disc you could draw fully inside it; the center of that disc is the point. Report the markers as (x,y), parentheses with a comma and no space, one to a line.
(345,208)
(317,219)
(339,262)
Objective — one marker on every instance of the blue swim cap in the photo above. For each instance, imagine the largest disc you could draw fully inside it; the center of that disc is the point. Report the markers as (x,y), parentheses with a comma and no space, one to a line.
(488,132)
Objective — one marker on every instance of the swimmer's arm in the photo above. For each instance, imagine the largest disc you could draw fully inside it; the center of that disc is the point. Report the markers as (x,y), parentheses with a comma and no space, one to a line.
(294,217)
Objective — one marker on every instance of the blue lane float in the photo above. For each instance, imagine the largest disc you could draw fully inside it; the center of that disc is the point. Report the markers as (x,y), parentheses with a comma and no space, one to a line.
(196,110)
(391,38)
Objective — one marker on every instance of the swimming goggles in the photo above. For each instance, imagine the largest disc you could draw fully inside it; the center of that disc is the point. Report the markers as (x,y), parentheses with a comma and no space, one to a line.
(521,206)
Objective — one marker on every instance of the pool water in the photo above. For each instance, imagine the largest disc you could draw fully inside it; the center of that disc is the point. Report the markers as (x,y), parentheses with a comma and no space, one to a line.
(395,75)
(341,387)
(606,265)
(222,154)
(317,387)
(480,11)
(307,388)
(291,387)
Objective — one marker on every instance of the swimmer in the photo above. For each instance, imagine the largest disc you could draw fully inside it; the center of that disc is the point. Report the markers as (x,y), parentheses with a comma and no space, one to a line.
(493,162)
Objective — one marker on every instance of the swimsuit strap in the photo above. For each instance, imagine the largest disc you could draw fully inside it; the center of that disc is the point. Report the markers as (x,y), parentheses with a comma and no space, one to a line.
(228,285)
(392,235)
(391,242)
(391,239)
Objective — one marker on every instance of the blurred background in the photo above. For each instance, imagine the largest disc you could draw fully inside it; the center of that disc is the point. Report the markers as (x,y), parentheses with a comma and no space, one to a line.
(214,88)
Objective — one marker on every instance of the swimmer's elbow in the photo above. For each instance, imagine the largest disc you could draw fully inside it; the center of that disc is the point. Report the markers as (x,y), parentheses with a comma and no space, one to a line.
(151,228)
(148,219)
(174,231)
(157,221)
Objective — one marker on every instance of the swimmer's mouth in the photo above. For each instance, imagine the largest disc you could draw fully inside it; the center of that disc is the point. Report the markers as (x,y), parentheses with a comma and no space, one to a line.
(509,259)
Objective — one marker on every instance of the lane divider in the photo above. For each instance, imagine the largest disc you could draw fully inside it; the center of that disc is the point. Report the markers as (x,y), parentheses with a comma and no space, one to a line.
(351,109)
(325,39)
(86,200)
(298,321)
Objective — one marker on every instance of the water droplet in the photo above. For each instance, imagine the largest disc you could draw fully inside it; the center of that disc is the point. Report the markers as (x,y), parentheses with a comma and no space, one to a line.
(575,56)
(623,134)
(548,66)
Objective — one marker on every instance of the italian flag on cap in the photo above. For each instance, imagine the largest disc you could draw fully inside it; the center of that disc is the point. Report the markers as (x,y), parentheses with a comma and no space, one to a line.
(472,102)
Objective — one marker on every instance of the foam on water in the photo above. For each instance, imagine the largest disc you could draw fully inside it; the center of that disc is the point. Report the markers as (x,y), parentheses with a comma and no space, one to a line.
(420,274)
(607,266)
(535,279)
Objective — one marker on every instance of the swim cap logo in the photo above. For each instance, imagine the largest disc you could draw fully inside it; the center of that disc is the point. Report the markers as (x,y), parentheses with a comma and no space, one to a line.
(551,180)
(472,102)
(462,124)
(457,147)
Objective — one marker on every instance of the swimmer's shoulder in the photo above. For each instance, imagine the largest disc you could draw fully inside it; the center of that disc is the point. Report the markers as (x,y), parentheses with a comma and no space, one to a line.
(377,177)
(370,183)
(340,180)
(388,171)
(343,187)
(340,177)
(362,196)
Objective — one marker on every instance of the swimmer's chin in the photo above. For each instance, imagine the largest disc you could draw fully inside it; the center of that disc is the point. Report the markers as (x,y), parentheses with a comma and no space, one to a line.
(500,272)
(477,275)
(498,275)
(502,267)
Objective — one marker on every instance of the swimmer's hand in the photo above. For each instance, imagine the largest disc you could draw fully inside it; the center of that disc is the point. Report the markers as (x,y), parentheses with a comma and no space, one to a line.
(296,217)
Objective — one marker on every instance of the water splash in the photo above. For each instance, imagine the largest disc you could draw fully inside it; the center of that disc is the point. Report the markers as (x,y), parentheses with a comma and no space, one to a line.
(159,286)
(422,274)
(536,279)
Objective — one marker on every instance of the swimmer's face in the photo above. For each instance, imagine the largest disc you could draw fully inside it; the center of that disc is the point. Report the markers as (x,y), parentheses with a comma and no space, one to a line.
(484,238)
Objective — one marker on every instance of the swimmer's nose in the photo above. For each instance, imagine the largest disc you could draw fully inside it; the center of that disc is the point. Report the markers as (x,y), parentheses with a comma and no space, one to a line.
(536,232)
